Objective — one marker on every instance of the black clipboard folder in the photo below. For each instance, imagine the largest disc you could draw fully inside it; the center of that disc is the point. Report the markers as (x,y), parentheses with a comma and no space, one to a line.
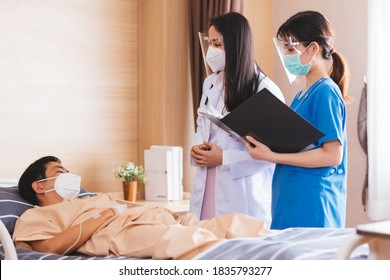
(270,121)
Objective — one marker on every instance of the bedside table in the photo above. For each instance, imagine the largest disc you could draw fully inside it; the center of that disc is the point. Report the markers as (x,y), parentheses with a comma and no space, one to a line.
(179,207)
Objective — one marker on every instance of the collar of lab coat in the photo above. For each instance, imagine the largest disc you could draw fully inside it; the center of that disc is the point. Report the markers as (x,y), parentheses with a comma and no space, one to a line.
(219,80)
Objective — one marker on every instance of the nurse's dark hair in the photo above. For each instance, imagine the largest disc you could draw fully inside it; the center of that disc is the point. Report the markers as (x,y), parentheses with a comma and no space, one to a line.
(241,80)
(311,26)
(36,171)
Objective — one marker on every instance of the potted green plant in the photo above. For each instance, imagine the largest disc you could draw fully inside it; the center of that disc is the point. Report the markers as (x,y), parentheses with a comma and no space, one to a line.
(131,174)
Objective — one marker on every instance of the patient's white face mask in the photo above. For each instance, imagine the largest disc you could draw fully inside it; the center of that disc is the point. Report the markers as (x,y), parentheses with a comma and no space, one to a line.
(67,185)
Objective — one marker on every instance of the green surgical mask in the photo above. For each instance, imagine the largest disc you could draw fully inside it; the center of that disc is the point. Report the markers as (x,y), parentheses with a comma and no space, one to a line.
(293,64)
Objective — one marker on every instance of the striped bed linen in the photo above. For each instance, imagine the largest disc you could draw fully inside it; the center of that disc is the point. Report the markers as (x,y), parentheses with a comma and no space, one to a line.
(289,244)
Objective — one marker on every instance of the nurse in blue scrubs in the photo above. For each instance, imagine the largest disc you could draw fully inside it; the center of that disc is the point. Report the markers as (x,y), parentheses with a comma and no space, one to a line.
(309,187)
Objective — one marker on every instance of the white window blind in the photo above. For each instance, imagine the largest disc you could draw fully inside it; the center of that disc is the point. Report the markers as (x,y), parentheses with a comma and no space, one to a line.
(378,110)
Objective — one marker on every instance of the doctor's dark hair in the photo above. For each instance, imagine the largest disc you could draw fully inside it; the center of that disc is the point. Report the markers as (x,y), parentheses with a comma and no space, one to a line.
(241,80)
(311,26)
(36,171)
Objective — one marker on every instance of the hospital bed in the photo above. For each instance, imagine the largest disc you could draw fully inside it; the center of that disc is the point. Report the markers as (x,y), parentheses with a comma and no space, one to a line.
(289,244)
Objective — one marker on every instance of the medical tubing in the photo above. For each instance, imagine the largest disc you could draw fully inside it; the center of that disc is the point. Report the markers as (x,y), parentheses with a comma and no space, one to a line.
(78,239)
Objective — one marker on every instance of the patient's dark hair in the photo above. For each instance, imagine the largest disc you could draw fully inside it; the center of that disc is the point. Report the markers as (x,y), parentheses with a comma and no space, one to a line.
(36,171)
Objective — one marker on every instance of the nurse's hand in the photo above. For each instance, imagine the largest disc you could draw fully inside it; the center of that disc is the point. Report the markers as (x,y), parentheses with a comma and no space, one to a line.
(258,150)
(206,154)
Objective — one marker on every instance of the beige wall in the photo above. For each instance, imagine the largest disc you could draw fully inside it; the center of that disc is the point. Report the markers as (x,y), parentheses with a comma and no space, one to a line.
(94,84)
(259,15)
(165,106)
(349,21)
(68,86)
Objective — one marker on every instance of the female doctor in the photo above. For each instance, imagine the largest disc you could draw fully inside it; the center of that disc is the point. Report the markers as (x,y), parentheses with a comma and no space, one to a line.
(227,179)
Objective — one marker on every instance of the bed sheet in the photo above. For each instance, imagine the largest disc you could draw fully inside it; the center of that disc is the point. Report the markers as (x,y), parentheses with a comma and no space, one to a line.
(34,255)
(289,244)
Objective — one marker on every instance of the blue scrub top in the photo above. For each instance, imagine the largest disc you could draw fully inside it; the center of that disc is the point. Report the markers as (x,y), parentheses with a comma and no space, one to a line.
(314,197)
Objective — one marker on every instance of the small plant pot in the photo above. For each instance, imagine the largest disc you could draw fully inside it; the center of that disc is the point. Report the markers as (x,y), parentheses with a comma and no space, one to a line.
(130,190)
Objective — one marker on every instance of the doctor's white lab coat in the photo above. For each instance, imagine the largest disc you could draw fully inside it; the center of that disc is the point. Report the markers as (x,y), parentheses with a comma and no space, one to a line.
(242,184)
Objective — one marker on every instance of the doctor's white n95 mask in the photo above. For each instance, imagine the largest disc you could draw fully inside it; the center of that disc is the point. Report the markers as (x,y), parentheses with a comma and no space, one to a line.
(215,59)
(67,185)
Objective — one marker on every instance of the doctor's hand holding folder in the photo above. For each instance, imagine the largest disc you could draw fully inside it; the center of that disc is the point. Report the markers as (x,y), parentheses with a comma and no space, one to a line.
(267,120)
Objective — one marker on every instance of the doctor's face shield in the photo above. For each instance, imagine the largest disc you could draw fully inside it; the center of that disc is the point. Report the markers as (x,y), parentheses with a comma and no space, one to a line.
(213,53)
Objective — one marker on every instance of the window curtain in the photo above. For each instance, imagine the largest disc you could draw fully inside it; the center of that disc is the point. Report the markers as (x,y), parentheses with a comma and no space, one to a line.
(362,135)
(201,11)
(378,111)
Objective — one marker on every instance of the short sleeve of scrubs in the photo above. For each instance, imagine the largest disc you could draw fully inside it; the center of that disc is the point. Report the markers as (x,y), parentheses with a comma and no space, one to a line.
(330,109)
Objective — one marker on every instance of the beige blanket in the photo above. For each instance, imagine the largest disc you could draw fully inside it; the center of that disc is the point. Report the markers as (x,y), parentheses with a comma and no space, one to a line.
(141,232)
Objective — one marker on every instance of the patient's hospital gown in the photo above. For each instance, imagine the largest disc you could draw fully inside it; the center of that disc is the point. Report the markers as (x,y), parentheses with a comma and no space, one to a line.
(141,232)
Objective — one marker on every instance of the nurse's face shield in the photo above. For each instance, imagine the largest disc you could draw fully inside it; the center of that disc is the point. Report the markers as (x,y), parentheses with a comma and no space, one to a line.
(206,41)
(282,48)
(290,46)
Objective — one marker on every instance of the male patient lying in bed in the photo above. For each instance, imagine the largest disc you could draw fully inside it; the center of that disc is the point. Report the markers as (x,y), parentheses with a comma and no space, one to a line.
(100,226)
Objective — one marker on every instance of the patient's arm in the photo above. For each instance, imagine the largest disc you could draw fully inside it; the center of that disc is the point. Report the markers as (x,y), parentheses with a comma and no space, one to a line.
(72,238)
